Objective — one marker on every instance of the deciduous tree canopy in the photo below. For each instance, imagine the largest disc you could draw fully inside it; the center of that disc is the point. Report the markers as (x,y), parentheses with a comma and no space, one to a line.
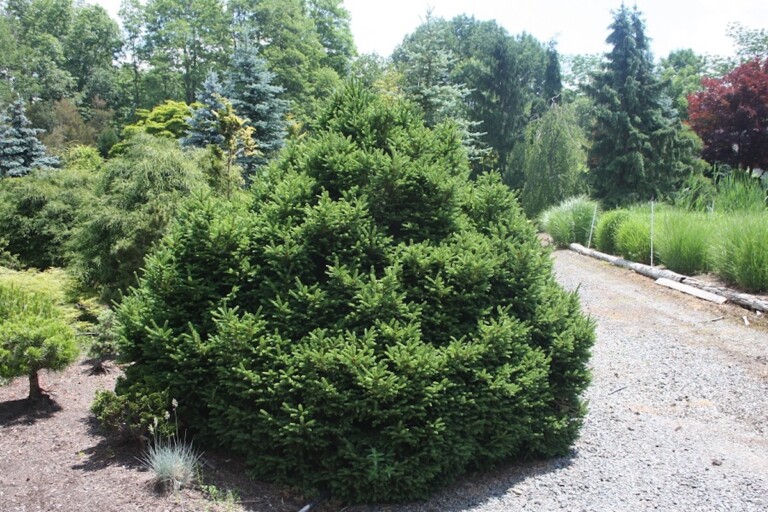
(731,116)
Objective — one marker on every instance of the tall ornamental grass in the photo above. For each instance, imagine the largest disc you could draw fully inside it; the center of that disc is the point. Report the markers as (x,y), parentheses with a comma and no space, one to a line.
(633,238)
(605,231)
(570,221)
(683,240)
(738,193)
(740,253)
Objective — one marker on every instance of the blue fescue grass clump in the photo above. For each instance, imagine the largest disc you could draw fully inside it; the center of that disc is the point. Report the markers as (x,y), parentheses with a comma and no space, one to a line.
(174,462)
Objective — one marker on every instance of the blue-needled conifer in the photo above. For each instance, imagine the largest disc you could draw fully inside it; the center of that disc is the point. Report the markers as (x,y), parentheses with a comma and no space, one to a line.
(204,129)
(20,149)
(249,86)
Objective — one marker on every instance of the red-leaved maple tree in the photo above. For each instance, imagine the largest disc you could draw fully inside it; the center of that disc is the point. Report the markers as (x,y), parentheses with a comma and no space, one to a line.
(731,116)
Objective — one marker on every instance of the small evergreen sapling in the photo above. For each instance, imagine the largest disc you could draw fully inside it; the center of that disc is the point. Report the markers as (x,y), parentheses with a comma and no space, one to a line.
(204,123)
(20,149)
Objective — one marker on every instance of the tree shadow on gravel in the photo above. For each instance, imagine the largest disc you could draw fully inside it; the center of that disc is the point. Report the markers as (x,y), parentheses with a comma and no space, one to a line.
(475,489)
(26,411)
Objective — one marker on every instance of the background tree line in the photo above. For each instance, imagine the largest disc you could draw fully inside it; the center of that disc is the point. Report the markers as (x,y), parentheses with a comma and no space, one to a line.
(236,80)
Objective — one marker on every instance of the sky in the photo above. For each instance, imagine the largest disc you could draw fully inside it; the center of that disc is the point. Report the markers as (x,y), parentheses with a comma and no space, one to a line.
(578,26)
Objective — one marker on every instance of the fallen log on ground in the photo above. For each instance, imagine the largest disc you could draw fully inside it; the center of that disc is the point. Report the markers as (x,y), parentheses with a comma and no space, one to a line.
(744,300)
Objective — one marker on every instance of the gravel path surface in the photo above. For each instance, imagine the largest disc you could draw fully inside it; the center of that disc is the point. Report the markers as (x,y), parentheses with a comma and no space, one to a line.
(678,417)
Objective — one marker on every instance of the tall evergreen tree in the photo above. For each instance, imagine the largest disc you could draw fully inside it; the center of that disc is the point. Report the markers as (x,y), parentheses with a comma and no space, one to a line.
(20,150)
(204,123)
(553,78)
(637,149)
(290,43)
(505,75)
(249,86)
(426,60)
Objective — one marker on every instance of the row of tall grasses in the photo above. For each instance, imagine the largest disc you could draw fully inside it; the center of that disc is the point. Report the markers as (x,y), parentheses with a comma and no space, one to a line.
(726,234)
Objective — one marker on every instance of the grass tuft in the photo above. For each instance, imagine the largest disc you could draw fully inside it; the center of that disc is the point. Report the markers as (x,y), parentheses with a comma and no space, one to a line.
(633,238)
(173,461)
(740,255)
(605,232)
(570,221)
(683,241)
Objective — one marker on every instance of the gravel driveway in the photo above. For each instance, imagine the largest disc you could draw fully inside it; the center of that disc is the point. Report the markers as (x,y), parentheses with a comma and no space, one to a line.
(678,410)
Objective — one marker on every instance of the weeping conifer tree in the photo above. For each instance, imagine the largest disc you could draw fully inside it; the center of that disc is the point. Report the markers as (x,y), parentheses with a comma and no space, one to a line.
(371,323)
(20,149)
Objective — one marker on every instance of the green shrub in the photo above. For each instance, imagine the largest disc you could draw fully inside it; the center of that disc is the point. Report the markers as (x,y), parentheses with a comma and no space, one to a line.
(739,254)
(571,221)
(38,212)
(605,232)
(370,323)
(683,241)
(33,336)
(136,196)
(134,414)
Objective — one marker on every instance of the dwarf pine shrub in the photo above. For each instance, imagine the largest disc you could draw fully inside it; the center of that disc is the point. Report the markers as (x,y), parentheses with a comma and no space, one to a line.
(370,322)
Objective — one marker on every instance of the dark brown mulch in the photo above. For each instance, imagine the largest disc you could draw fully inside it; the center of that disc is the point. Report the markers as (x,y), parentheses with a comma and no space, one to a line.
(53,456)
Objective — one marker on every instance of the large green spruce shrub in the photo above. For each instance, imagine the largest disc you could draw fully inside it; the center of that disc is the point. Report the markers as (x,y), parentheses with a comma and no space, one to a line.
(369,323)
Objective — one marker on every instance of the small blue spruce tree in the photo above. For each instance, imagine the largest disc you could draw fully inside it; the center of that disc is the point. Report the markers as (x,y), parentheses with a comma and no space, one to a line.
(204,127)
(249,85)
(20,149)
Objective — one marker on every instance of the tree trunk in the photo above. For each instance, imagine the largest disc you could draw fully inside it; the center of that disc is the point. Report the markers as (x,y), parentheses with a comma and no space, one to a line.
(35,392)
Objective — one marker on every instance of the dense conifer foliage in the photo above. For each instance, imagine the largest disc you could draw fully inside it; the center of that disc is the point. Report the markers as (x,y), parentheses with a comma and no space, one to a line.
(638,152)
(20,150)
(368,322)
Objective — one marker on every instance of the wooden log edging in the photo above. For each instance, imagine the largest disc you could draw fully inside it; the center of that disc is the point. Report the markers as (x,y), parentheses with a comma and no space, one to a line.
(744,300)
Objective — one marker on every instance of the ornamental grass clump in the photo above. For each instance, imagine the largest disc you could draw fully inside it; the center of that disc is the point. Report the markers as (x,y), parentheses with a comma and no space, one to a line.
(633,238)
(739,253)
(683,241)
(571,221)
(605,232)
(173,461)
(369,323)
